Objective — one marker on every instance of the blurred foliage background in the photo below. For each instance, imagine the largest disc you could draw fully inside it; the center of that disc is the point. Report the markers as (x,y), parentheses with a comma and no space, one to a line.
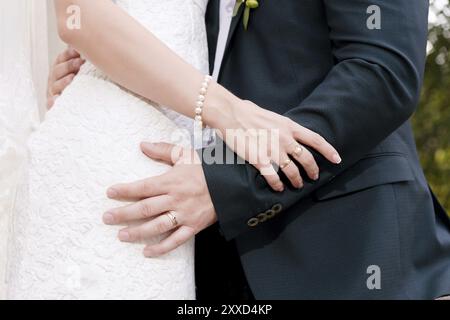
(432,120)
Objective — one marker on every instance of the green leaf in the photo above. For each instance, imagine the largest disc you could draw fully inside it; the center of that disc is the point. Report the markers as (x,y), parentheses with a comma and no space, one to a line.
(237,7)
(246,17)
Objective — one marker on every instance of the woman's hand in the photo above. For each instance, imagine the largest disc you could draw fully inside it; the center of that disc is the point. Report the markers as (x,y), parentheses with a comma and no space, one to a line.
(66,66)
(266,139)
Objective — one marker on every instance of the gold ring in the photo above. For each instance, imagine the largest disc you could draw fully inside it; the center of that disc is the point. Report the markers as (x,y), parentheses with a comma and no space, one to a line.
(298,150)
(172,218)
(285,164)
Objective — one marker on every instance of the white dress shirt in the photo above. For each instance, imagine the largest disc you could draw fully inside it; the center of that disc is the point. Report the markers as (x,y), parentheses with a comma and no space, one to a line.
(226,15)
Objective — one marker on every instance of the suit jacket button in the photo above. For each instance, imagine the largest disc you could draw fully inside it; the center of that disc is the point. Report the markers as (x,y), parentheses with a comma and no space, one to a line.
(277,208)
(253,222)
(270,214)
(262,217)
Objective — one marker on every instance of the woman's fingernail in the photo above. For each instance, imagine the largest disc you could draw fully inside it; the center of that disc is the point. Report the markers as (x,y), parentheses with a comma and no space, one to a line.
(316,177)
(108,218)
(337,159)
(124,236)
(112,193)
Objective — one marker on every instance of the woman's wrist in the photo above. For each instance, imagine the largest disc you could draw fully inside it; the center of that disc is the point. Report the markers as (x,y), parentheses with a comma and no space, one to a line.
(220,108)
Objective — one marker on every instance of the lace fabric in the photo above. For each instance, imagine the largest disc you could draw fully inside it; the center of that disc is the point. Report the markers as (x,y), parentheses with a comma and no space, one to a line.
(89,141)
(18,110)
(18,117)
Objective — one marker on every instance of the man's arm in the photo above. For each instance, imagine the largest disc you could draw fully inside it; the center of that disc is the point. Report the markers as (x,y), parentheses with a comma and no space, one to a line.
(371,91)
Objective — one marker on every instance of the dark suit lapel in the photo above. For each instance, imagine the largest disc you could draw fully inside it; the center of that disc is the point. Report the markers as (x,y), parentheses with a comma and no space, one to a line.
(213,25)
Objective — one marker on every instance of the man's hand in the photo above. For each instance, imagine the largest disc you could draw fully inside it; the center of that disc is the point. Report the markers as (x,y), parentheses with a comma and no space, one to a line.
(66,66)
(177,201)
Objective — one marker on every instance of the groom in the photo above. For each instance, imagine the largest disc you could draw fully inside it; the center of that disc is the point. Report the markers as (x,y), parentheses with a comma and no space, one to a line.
(369,229)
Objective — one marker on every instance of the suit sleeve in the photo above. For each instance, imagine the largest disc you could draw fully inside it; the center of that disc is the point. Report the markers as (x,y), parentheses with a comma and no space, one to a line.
(372,90)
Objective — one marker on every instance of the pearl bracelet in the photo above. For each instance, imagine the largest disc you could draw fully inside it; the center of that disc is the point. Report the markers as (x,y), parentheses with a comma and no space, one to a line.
(201,102)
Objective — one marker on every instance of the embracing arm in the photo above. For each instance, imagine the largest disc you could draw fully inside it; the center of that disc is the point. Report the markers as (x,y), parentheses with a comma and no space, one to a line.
(371,91)
(151,70)
(134,58)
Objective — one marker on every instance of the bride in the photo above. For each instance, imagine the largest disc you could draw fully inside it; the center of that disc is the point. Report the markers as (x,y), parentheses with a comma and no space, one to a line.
(143,55)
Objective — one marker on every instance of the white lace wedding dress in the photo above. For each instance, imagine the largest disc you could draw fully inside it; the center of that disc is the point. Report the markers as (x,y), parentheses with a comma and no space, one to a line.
(60,248)
(18,107)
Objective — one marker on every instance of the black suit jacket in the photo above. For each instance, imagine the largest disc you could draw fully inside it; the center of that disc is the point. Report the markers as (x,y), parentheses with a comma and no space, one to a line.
(317,62)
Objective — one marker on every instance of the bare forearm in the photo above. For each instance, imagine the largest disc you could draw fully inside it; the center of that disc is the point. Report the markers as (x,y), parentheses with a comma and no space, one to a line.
(134,58)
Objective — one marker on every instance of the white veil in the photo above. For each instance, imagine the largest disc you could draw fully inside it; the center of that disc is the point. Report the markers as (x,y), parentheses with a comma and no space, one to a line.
(23,72)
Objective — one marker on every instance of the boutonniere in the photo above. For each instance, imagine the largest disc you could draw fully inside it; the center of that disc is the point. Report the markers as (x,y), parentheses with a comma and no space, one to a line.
(249,5)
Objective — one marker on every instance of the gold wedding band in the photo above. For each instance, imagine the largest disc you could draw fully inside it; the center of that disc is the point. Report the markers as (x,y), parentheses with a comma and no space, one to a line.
(298,149)
(172,218)
(285,164)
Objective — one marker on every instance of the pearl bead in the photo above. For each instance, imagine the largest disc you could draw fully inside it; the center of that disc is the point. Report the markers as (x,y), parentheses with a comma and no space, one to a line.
(201,101)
